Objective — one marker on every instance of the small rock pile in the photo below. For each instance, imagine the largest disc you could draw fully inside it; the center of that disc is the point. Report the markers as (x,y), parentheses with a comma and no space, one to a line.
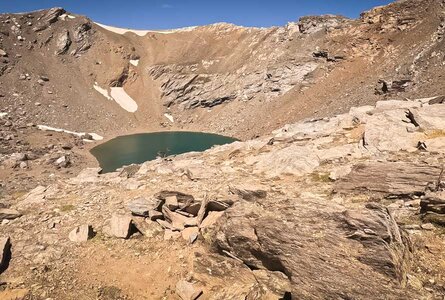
(177,213)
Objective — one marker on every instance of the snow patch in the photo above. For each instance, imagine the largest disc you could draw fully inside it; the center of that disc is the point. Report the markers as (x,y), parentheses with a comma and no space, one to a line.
(104,92)
(64,16)
(143,32)
(95,136)
(119,95)
(169,117)
(134,62)
(123,99)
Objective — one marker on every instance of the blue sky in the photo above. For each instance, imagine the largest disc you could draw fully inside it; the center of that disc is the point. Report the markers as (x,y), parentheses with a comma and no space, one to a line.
(164,14)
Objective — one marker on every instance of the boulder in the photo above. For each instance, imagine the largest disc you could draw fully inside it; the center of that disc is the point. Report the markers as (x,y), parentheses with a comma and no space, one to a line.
(81,234)
(388,178)
(147,228)
(9,214)
(211,219)
(63,43)
(215,205)
(3,53)
(62,161)
(142,206)
(357,253)
(120,226)
(190,234)
(187,291)
(5,253)
(374,228)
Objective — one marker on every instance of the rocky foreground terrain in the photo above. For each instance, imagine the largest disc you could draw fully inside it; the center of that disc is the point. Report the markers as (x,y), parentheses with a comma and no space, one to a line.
(333,208)
(345,200)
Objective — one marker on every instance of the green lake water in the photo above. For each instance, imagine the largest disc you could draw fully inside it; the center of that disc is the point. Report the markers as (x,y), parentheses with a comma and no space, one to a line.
(139,148)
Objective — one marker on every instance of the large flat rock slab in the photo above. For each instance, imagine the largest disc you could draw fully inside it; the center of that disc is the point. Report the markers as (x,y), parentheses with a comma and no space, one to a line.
(389,178)
(322,248)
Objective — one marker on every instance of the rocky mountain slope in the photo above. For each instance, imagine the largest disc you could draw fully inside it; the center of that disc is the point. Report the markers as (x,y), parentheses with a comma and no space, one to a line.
(336,190)
(219,78)
(333,208)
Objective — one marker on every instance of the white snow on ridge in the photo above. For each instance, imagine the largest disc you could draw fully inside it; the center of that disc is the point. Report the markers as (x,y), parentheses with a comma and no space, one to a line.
(143,32)
(134,62)
(95,136)
(123,99)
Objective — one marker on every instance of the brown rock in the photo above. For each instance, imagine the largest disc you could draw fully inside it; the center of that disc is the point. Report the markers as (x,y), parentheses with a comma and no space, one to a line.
(81,234)
(249,191)
(120,226)
(184,200)
(155,215)
(147,228)
(193,208)
(311,238)
(190,234)
(187,291)
(211,219)
(389,178)
(9,214)
(172,202)
(178,221)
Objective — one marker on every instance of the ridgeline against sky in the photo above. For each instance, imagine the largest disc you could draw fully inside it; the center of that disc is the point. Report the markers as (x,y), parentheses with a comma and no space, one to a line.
(165,14)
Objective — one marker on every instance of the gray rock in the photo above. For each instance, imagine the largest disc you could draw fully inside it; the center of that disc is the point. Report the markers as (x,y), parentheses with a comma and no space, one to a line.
(3,53)
(81,234)
(184,85)
(63,43)
(142,206)
(63,161)
(49,18)
(187,291)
